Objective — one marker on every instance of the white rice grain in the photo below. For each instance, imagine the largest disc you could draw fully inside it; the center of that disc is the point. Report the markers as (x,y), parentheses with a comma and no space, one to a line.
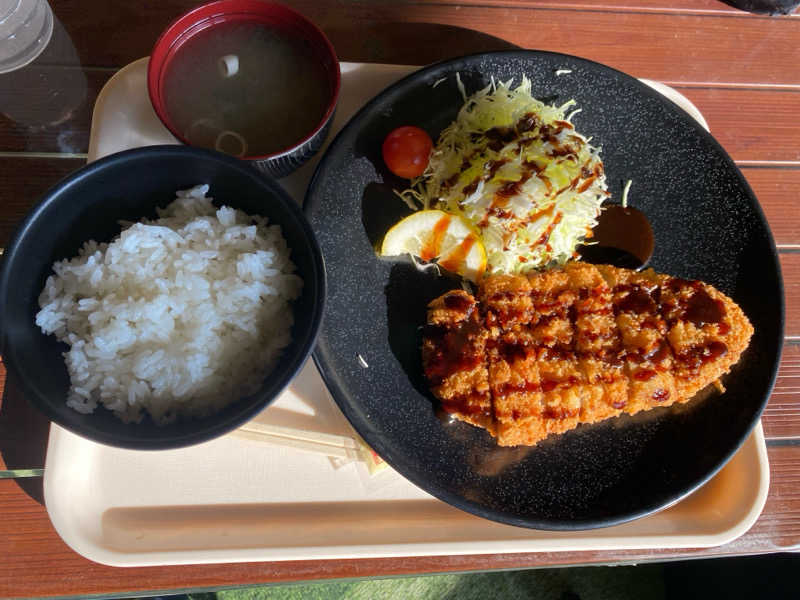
(176,317)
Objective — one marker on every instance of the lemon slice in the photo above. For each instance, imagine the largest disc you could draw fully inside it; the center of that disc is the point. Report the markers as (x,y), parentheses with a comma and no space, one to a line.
(434,234)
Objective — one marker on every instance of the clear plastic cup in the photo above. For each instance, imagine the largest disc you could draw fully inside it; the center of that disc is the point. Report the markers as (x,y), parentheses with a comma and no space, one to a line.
(25,30)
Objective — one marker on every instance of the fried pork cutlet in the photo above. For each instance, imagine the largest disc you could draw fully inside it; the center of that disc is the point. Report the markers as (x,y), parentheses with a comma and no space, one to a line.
(540,354)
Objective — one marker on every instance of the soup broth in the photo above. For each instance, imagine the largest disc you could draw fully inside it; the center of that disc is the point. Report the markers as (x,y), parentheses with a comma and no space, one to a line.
(272,93)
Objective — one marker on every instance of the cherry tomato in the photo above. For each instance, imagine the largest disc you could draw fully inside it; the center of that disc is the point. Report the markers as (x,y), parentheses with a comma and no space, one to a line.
(406,151)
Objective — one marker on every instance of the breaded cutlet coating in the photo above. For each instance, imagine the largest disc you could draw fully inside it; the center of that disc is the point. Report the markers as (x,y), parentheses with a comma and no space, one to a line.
(541,389)
(581,344)
(454,358)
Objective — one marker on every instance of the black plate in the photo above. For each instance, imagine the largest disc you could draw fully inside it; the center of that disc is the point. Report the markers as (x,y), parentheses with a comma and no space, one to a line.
(708,226)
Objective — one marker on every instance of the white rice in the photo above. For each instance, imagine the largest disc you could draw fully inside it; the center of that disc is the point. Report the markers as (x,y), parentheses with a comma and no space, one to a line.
(177,317)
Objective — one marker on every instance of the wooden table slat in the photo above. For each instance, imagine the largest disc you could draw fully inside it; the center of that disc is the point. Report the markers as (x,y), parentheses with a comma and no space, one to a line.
(669,47)
(781,418)
(763,127)
(39,562)
(778,190)
(790,267)
(710,7)
(742,71)
(23,181)
(23,431)
(744,133)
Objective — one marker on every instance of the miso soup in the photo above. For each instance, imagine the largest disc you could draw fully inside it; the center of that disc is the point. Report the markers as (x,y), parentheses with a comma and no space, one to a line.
(246,89)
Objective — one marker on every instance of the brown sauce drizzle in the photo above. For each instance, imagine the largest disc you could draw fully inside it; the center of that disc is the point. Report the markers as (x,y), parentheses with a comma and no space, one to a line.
(509,189)
(465,164)
(585,185)
(494,166)
(456,258)
(557,352)
(512,188)
(515,351)
(559,412)
(699,308)
(659,353)
(501,296)
(547,183)
(500,213)
(452,180)
(533,166)
(565,150)
(702,309)
(527,123)
(505,316)
(471,187)
(638,301)
(506,389)
(458,351)
(460,302)
(660,395)
(472,404)
(496,145)
(545,212)
(433,245)
(500,137)
(697,356)
(546,235)
(644,374)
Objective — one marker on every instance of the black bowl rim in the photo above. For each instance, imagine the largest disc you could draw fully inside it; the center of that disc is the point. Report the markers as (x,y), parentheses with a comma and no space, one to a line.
(376,441)
(215,429)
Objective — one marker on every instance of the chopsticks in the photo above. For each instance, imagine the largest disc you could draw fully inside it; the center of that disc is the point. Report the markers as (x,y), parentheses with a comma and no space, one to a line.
(310,441)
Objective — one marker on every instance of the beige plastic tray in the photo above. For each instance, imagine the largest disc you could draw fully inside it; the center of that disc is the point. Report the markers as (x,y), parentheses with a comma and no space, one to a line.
(244,498)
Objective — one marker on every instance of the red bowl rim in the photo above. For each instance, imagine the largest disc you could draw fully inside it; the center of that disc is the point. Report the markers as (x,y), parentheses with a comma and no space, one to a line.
(200,18)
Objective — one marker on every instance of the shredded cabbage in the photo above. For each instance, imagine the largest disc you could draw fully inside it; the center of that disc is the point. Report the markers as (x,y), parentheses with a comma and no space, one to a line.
(520,173)
(625,191)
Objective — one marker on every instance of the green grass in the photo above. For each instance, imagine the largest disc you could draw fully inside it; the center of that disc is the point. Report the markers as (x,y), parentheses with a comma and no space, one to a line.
(644,582)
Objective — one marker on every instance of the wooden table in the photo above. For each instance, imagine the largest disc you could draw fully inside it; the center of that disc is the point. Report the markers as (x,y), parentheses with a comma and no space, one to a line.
(741,70)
